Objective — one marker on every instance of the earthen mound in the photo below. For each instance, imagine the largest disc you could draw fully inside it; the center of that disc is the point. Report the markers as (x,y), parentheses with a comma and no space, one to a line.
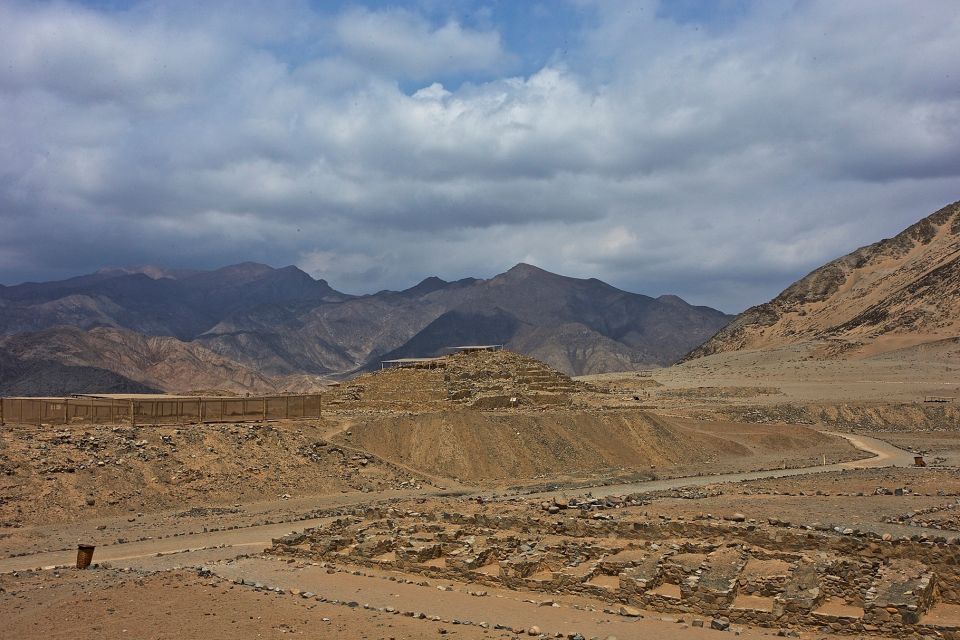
(480,446)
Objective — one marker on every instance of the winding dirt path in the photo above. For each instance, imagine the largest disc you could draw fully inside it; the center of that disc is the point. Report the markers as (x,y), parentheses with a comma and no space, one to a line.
(884,455)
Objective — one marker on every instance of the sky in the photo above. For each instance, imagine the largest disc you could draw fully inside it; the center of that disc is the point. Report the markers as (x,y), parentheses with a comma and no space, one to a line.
(713,149)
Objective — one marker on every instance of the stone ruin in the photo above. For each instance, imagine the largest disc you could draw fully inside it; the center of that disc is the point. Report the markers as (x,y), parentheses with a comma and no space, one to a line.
(478,380)
(743,572)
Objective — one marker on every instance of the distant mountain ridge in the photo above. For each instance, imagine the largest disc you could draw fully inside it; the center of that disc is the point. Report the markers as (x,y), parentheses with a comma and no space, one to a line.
(129,361)
(525,308)
(182,307)
(250,320)
(897,292)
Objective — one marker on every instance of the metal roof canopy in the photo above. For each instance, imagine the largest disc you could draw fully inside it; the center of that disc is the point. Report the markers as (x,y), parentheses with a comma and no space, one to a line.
(477,347)
(400,362)
(154,396)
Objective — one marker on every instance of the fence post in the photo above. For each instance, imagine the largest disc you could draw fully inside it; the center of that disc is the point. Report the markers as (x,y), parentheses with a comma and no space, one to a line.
(288,408)
(133,419)
(264,407)
(1,412)
(65,416)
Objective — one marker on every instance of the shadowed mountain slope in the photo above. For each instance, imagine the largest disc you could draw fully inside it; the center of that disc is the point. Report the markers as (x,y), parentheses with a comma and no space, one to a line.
(155,301)
(244,326)
(580,326)
(64,360)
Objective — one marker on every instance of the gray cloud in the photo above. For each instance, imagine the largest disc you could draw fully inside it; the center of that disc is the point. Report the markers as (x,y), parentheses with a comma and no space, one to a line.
(716,163)
(404,44)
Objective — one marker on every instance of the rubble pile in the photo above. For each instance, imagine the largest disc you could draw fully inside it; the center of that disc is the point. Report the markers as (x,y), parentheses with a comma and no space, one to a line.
(97,470)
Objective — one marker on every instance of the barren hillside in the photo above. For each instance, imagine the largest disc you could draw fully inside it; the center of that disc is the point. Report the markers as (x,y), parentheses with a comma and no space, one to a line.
(894,293)
(476,446)
(69,360)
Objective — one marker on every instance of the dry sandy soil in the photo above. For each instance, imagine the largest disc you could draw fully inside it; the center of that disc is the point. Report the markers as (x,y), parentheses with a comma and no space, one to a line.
(110,604)
(162,502)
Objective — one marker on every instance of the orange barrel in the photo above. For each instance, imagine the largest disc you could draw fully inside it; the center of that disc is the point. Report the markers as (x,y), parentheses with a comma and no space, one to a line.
(84,555)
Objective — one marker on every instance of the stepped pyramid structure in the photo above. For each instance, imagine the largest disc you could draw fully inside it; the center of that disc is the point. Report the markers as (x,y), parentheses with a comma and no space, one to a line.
(474,379)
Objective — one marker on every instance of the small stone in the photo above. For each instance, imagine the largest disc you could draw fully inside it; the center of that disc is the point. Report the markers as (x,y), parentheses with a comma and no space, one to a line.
(720,624)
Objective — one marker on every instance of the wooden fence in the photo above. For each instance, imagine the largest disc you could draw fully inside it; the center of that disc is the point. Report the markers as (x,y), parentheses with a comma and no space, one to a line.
(157,410)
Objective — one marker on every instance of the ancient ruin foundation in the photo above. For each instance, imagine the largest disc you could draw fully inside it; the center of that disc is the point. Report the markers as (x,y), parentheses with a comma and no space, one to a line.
(739,572)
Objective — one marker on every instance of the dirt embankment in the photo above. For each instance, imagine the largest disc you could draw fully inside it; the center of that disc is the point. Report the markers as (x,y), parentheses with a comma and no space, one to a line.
(504,447)
(873,417)
(55,475)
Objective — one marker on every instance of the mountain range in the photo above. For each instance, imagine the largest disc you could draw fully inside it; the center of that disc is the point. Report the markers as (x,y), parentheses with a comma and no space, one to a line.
(251,327)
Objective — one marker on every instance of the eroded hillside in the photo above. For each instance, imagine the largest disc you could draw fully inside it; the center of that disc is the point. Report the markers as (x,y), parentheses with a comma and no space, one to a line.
(894,293)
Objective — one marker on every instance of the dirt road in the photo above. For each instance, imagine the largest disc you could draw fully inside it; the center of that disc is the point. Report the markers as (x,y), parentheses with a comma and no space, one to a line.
(884,455)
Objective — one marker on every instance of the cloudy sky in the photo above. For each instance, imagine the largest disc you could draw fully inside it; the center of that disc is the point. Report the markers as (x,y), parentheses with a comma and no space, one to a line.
(713,149)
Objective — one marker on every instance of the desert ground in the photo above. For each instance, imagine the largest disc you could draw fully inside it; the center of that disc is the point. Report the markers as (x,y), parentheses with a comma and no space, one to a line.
(752,493)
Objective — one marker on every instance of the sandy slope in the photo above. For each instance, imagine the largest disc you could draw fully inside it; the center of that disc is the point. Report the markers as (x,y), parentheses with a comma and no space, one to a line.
(485,446)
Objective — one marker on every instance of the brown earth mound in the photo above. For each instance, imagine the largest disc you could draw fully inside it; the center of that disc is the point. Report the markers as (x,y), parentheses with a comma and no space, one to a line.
(491,446)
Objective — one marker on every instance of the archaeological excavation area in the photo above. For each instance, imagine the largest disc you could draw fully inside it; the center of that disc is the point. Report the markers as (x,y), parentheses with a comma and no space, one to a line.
(486,495)
(717,572)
